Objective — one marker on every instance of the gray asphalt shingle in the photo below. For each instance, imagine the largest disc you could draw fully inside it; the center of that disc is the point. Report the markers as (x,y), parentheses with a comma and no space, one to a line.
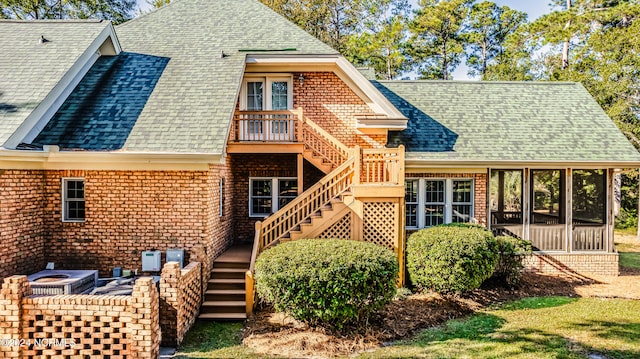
(29,70)
(504,121)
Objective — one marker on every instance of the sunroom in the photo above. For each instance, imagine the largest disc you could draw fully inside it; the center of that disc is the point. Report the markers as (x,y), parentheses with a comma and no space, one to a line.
(558,210)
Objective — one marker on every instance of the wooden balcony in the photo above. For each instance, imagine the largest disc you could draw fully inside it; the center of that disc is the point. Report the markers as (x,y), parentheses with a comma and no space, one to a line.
(266,132)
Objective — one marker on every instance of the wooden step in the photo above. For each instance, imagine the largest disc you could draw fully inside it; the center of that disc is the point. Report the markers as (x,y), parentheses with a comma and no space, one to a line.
(228,273)
(224,294)
(237,264)
(225,283)
(223,306)
(223,316)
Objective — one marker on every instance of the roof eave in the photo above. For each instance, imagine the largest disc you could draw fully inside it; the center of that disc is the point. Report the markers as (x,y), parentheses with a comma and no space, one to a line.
(455,163)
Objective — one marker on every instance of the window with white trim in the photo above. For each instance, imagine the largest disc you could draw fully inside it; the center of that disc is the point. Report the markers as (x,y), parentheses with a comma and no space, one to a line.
(267,195)
(265,93)
(221,196)
(430,202)
(73,203)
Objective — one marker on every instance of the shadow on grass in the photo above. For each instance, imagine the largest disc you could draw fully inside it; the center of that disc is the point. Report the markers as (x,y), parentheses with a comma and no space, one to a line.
(627,332)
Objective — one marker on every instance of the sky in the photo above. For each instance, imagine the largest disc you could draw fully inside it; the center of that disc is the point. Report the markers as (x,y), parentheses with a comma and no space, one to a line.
(534,8)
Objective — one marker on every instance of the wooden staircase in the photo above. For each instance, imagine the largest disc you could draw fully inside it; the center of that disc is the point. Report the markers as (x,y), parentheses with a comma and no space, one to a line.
(224,297)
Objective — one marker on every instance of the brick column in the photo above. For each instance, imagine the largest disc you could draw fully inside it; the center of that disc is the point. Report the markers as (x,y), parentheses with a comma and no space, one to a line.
(170,302)
(14,288)
(145,325)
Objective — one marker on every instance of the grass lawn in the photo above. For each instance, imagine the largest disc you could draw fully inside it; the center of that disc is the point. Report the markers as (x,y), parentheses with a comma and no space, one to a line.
(629,250)
(551,327)
(214,340)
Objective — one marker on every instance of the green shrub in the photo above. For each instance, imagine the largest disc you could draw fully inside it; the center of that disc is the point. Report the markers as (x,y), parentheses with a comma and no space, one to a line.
(512,252)
(450,259)
(327,282)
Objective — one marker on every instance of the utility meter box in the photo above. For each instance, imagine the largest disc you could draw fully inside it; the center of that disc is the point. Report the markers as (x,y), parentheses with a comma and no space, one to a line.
(176,255)
(151,261)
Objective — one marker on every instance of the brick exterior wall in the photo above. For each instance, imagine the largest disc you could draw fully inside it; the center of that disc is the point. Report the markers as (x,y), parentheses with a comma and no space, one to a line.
(131,211)
(21,222)
(330,103)
(180,294)
(573,263)
(479,190)
(245,166)
(91,326)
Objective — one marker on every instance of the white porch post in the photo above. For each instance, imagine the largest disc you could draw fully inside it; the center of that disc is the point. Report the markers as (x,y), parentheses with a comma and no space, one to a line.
(610,210)
(569,209)
(526,199)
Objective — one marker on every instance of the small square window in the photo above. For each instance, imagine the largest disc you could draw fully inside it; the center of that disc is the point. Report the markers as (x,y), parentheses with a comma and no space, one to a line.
(73,202)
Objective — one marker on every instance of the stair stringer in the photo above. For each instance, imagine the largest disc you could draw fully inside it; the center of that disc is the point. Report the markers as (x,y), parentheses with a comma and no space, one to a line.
(327,219)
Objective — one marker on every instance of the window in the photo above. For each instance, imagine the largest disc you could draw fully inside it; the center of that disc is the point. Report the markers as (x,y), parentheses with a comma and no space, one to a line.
(267,195)
(430,202)
(221,196)
(73,200)
(267,93)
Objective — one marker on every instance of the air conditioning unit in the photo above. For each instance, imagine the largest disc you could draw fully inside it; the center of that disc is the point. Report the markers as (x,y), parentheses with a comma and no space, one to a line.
(58,281)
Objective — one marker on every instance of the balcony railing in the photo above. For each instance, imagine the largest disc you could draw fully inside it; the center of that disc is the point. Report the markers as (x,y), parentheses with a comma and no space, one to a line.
(267,126)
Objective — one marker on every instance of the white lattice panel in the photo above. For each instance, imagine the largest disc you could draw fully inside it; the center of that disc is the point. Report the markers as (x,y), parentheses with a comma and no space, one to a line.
(339,230)
(379,224)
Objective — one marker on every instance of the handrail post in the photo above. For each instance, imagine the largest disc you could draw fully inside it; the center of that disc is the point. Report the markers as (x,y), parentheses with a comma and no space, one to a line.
(355,152)
(300,123)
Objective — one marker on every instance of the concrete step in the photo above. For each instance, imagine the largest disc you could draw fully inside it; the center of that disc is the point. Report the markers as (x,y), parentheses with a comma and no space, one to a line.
(234,264)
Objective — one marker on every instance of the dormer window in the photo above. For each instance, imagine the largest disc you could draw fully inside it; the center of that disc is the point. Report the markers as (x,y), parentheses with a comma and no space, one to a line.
(267,93)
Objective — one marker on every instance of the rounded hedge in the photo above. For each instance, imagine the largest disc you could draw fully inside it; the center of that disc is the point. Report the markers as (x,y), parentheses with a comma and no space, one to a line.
(449,259)
(327,282)
(510,266)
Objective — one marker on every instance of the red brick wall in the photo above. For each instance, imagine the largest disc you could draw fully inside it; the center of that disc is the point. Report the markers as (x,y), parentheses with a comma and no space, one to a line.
(21,222)
(479,190)
(245,166)
(131,211)
(573,263)
(330,103)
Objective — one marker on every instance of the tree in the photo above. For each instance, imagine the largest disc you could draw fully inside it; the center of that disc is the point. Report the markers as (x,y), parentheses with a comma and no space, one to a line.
(383,40)
(488,28)
(331,21)
(115,10)
(438,40)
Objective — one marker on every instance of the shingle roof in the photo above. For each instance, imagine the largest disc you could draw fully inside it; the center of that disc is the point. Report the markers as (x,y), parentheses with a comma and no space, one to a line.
(100,113)
(193,102)
(29,70)
(504,121)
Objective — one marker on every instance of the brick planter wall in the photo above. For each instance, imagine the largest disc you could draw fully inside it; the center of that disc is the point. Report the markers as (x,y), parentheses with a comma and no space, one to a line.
(573,263)
(180,294)
(79,325)
(21,222)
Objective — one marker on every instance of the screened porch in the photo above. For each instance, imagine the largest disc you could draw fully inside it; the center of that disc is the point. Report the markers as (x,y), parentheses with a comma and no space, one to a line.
(558,210)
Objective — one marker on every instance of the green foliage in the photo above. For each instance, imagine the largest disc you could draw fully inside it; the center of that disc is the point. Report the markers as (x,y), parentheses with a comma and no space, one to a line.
(511,253)
(437,44)
(489,26)
(115,10)
(453,258)
(326,281)
(382,42)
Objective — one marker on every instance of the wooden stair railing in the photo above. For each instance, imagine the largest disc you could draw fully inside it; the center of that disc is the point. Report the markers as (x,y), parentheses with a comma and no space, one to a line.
(321,144)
